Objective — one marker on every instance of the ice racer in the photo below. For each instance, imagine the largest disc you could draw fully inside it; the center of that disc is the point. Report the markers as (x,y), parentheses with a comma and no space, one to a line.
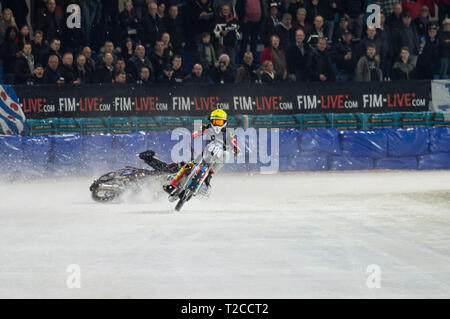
(218,121)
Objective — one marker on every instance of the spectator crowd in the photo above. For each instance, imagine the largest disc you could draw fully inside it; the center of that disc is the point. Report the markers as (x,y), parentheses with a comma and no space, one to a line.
(222,41)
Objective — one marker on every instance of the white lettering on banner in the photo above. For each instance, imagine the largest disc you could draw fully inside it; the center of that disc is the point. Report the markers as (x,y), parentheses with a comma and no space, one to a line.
(67,105)
(182,103)
(243,103)
(307,102)
(74,19)
(122,103)
(372,100)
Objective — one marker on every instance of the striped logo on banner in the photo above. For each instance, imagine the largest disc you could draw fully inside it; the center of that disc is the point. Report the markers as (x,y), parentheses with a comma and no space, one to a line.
(12,118)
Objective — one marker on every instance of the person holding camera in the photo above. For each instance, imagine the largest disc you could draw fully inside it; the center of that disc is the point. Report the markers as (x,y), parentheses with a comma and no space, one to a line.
(222,72)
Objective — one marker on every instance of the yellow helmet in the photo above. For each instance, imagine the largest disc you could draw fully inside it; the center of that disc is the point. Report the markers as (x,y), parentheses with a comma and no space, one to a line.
(218,120)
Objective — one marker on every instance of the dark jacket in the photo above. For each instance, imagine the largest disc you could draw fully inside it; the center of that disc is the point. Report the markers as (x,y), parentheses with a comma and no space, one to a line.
(427,59)
(68,73)
(128,21)
(175,28)
(266,78)
(220,77)
(286,36)
(353,7)
(444,45)
(40,52)
(340,50)
(22,71)
(323,8)
(150,30)
(200,25)
(180,75)
(192,78)
(296,60)
(50,24)
(103,74)
(408,37)
(50,76)
(201,55)
(247,74)
(85,76)
(403,71)
(8,51)
(134,66)
(319,62)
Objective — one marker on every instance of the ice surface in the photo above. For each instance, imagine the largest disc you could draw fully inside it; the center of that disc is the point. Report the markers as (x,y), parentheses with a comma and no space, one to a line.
(263,236)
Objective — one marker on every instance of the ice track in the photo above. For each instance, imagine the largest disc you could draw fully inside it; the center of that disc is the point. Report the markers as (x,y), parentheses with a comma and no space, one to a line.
(302,235)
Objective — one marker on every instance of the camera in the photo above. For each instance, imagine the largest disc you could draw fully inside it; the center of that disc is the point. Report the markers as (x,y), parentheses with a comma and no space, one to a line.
(222,64)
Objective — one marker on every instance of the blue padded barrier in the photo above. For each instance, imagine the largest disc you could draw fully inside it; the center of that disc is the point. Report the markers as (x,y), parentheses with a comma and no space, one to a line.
(97,152)
(126,148)
(66,155)
(350,163)
(396,163)
(288,142)
(439,139)
(364,143)
(36,155)
(304,163)
(434,161)
(11,154)
(320,140)
(408,142)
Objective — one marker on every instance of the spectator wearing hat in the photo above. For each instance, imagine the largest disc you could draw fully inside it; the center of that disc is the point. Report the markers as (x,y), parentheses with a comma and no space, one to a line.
(296,58)
(407,36)
(301,22)
(368,67)
(428,55)
(339,29)
(227,33)
(345,55)
(422,21)
(167,75)
(354,10)
(270,22)
(404,69)
(285,31)
(250,14)
(444,49)
(319,63)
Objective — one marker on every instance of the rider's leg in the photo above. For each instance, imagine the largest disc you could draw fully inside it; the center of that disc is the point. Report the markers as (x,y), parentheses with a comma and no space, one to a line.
(172,186)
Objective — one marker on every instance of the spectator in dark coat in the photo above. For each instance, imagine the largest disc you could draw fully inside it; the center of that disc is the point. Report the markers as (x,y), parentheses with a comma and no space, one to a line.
(129,22)
(159,58)
(267,73)
(49,23)
(324,8)
(250,14)
(394,21)
(318,31)
(151,27)
(206,54)
(197,75)
(223,73)
(319,63)
(301,22)
(90,63)
(368,67)
(20,11)
(66,71)
(247,73)
(51,75)
(167,76)
(346,56)
(173,25)
(137,62)
(285,31)
(369,37)
(9,52)
(294,5)
(38,75)
(144,77)
(404,69)
(427,62)
(444,49)
(24,36)
(386,49)
(82,71)
(354,10)
(296,58)
(24,65)
(54,49)
(104,73)
(270,22)
(201,18)
(406,36)
(422,21)
(179,72)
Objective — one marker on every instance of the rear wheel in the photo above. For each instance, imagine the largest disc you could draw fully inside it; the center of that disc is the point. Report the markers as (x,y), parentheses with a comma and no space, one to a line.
(104,195)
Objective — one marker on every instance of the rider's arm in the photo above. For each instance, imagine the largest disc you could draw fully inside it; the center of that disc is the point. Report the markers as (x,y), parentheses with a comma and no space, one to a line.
(197,133)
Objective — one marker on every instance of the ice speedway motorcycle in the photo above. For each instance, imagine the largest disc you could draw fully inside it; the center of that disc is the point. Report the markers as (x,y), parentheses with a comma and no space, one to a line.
(112,185)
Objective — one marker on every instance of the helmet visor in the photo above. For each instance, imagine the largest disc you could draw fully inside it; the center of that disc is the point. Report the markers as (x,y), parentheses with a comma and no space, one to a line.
(217,122)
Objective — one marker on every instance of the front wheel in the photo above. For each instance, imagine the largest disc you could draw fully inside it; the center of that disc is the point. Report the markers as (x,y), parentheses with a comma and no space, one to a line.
(184,197)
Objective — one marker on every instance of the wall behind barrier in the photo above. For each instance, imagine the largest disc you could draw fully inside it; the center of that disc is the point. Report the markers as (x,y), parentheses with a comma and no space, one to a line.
(315,150)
